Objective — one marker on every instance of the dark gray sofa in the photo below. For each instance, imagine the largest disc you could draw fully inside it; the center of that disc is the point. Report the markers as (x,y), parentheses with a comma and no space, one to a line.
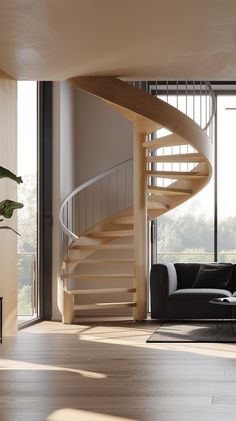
(174,297)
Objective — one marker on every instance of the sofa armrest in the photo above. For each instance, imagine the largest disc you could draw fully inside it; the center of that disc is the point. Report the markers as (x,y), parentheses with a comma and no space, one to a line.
(163,282)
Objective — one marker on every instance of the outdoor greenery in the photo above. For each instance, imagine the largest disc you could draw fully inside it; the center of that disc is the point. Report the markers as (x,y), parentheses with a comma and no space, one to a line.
(189,238)
(8,206)
(27,245)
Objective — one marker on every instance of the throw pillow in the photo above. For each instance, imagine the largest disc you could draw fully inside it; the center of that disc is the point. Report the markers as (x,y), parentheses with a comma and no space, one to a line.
(213,276)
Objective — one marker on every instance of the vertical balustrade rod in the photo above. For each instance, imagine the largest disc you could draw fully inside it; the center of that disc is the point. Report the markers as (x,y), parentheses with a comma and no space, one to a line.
(109,197)
(117,195)
(200,104)
(85,202)
(186,112)
(93,203)
(211,104)
(194,100)
(177,106)
(186,98)
(63,244)
(126,185)
(72,215)
(100,202)
(67,244)
(209,111)
(177,94)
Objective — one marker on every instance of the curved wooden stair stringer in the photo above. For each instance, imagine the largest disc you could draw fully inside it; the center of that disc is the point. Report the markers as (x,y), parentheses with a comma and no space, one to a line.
(153,165)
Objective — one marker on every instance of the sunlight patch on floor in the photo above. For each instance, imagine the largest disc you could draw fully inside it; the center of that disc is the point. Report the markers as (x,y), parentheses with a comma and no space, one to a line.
(6,364)
(131,334)
(68,414)
(138,337)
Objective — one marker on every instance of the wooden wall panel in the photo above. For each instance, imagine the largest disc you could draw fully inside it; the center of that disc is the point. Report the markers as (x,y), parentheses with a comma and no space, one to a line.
(8,189)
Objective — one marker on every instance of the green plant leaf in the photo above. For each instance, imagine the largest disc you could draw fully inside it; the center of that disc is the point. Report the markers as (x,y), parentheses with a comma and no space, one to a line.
(5,227)
(5,173)
(7,207)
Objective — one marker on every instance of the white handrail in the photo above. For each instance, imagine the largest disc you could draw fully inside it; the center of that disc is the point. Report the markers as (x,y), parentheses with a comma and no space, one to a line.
(78,189)
(213,97)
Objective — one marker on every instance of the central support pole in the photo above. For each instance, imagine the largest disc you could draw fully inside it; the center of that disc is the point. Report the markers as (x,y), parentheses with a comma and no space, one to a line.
(140,226)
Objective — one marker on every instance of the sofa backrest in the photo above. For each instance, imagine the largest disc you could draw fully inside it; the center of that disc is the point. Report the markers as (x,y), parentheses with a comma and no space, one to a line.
(187,273)
(232,284)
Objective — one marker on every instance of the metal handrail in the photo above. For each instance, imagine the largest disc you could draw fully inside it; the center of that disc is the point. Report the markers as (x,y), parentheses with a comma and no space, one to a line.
(78,189)
(213,106)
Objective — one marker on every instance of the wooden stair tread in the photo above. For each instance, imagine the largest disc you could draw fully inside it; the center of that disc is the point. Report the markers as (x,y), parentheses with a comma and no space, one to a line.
(91,276)
(86,240)
(123,220)
(116,246)
(101,291)
(152,204)
(104,247)
(191,158)
(168,191)
(113,233)
(104,305)
(165,141)
(99,260)
(178,175)
(84,246)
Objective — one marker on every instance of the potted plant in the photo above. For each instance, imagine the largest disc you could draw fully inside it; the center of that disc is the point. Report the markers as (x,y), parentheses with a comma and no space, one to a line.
(8,206)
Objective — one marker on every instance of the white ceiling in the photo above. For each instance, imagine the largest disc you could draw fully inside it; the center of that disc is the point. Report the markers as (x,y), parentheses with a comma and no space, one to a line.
(150,39)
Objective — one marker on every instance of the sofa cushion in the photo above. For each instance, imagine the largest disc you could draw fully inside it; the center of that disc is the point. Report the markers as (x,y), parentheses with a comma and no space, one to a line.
(193,303)
(195,293)
(214,276)
(186,274)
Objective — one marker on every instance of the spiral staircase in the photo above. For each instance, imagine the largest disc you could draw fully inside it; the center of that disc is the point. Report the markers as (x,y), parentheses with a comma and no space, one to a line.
(108,257)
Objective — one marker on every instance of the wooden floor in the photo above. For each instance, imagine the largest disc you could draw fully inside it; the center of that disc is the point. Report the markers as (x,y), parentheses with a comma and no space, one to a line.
(106,371)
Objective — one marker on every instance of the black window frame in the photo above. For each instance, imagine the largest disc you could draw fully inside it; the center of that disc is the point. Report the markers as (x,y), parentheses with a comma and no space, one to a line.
(45,219)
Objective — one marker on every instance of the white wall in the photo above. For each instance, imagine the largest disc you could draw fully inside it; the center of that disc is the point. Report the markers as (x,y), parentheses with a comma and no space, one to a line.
(88,137)
(103,137)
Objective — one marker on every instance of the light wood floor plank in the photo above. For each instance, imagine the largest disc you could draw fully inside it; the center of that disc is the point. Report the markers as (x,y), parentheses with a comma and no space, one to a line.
(106,372)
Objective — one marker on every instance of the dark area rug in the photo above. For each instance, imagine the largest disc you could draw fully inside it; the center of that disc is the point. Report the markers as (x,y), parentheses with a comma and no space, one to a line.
(195,332)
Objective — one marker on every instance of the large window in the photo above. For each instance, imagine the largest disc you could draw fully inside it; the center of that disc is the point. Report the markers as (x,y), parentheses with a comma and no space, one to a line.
(27,193)
(204,228)
(226,176)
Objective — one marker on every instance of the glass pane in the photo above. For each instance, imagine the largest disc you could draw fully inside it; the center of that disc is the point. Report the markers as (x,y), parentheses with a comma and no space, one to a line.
(186,233)
(226,106)
(27,193)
